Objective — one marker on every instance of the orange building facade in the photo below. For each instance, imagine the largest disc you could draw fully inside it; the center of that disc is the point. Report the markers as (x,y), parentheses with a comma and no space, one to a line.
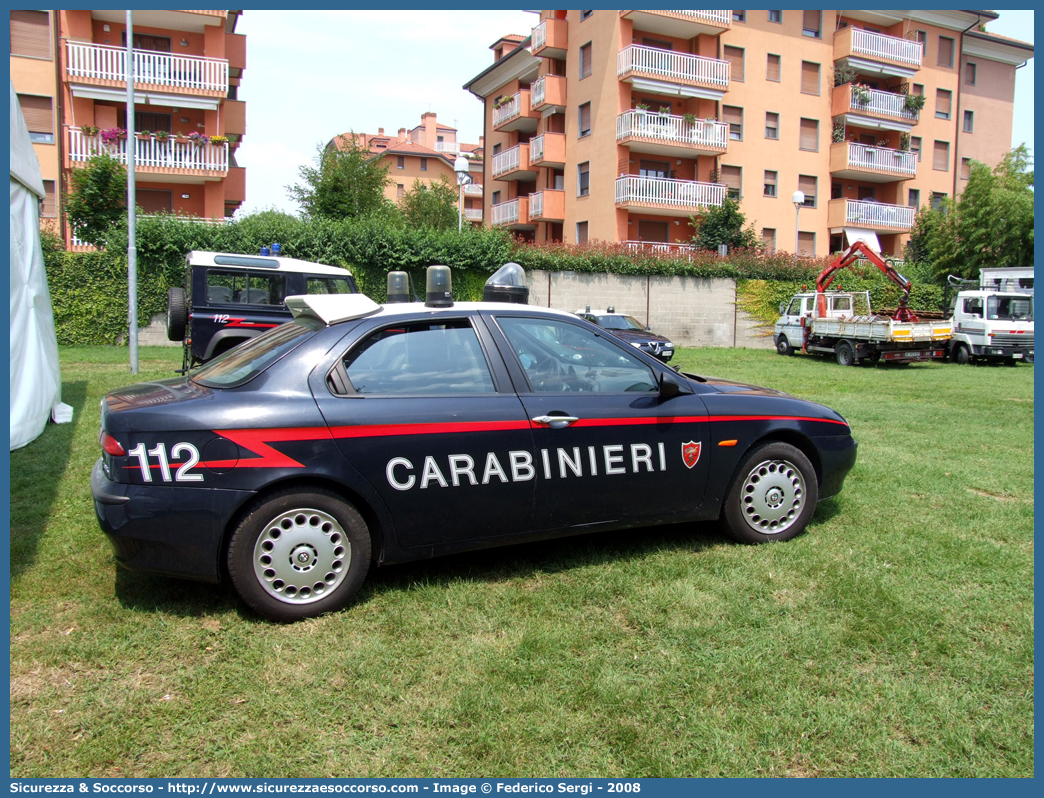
(427,154)
(69,69)
(621,125)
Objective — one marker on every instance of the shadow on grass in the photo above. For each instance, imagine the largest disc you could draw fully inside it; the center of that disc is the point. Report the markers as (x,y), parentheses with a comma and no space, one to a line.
(36,473)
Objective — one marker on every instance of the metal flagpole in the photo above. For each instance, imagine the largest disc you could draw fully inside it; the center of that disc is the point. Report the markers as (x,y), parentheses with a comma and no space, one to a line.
(132,247)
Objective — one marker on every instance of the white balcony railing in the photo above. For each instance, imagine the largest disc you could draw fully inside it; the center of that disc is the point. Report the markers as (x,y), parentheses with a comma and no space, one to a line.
(446,146)
(877,214)
(676,249)
(473,190)
(536,205)
(153,153)
(101,62)
(885,103)
(880,159)
(507,161)
(878,45)
(538,89)
(473,214)
(539,36)
(673,129)
(664,191)
(506,212)
(672,66)
(536,149)
(511,108)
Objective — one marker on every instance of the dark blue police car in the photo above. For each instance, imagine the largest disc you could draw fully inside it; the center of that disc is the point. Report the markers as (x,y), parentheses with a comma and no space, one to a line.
(631,330)
(359,434)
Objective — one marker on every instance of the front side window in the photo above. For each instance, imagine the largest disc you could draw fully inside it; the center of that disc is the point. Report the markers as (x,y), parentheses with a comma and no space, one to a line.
(558,356)
(424,358)
(973,306)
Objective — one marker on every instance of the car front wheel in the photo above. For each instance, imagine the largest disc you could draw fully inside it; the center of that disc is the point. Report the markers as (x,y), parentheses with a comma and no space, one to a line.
(298,554)
(772,496)
(783,346)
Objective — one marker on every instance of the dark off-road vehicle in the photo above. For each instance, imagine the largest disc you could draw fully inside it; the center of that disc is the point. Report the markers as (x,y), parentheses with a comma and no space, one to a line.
(229,298)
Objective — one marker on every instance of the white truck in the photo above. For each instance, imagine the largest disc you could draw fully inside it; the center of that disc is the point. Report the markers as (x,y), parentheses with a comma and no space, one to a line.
(992,326)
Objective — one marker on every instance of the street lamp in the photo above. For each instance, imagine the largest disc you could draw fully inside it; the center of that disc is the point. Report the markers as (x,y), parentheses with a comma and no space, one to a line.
(460,166)
(798,199)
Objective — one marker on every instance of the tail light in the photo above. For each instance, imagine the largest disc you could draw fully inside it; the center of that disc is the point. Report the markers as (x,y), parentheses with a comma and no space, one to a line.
(110,445)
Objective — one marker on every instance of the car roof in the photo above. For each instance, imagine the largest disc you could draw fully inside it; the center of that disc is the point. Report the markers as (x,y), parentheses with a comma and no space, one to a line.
(233,260)
(336,308)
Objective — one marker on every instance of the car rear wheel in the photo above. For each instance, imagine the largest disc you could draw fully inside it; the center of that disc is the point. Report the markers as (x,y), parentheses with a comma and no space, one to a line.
(783,346)
(961,356)
(772,496)
(298,554)
(845,354)
(177,314)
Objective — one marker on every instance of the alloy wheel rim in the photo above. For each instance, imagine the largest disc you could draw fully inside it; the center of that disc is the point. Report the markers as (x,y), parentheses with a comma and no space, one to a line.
(301,556)
(773,496)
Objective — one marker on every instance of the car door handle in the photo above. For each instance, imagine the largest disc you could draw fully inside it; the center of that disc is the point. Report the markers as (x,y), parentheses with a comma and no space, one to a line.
(555,422)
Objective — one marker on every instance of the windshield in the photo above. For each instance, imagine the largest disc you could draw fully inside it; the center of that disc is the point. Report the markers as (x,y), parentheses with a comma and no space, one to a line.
(1010,308)
(244,362)
(618,322)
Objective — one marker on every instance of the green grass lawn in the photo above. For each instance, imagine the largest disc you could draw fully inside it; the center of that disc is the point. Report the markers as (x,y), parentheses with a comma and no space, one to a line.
(893,638)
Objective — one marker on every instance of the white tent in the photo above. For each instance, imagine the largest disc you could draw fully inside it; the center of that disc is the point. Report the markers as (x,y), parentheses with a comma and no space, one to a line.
(36,385)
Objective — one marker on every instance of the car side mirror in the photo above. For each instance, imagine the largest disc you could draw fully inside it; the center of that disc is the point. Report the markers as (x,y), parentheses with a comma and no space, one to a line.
(782,308)
(669,386)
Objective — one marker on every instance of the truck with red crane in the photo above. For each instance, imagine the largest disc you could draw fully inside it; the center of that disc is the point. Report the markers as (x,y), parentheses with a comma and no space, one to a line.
(844,325)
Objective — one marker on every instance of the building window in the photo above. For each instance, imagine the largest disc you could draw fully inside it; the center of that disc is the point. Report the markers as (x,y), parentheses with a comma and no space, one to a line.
(913,198)
(770,183)
(31,34)
(969,122)
(812,23)
(732,177)
(773,69)
(496,149)
(495,199)
(653,168)
(739,16)
(657,232)
(807,244)
(49,204)
(941,156)
(809,135)
(583,179)
(777,17)
(771,125)
(943,100)
(585,120)
(400,162)
(969,73)
(809,77)
(585,15)
(581,232)
(768,239)
(733,117)
(400,190)
(922,39)
(807,185)
(424,164)
(945,51)
(918,89)
(836,191)
(937,200)
(38,117)
(965,168)
(915,146)
(734,55)
(585,61)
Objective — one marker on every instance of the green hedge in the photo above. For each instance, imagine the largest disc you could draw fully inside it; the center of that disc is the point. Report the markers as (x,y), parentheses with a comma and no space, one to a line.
(89,290)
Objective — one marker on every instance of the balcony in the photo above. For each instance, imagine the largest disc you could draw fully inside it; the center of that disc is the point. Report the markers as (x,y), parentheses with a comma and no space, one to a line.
(548,149)
(177,161)
(515,113)
(652,69)
(877,53)
(513,214)
(473,214)
(101,65)
(549,93)
(676,250)
(448,147)
(665,197)
(549,39)
(872,108)
(547,206)
(872,215)
(473,190)
(662,134)
(683,24)
(513,164)
(853,161)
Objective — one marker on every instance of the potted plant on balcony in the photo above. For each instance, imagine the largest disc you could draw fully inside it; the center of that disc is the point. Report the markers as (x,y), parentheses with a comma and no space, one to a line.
(90,131)
(112,136)
(904,142)
(914,103)
(837,132)
(860,94)
(161,135)
(219,139)
(199,139)
(143,135)
(690,119)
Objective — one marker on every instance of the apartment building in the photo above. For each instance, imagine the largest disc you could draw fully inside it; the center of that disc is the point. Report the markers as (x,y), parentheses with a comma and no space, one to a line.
(426,153)
(69,69)
(621,125)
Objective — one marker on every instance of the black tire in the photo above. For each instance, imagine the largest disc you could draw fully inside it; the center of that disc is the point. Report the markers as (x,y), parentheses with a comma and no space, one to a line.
(783,346)
(177,314)
(875,356)
(298,554)
(961,356)
(845,354)
(773,495)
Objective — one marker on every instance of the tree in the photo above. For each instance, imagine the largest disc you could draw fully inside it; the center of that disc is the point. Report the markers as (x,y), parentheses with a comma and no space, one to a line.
(433,205)
(990,224)
(98,200)
(346,181)
(723,225)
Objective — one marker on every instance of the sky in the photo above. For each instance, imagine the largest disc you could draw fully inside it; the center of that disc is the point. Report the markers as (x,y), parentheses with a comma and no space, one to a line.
(312,75)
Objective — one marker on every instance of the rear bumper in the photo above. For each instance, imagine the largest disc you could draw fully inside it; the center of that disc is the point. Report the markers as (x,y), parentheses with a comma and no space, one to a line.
(837,455)
(174,531)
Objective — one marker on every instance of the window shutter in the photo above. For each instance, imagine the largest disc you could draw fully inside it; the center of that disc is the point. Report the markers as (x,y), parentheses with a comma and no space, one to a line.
(809,134)
(810,22)
(768,238)
(31,34)
(809,78)
(807,244)
(154,200)
(941,156)
(807,185)
(50,208)
(773,67)
(585,60)
(734,55)
(731,177)
(943,102)
(37,113)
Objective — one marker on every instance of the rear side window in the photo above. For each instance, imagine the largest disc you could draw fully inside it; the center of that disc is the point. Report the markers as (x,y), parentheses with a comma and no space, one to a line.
(244,362)
(245,288)
(329,285)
